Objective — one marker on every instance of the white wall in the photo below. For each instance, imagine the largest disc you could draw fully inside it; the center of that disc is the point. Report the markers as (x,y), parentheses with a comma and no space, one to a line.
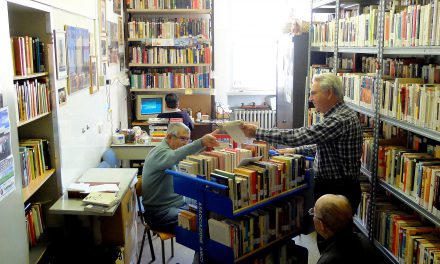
(82,150)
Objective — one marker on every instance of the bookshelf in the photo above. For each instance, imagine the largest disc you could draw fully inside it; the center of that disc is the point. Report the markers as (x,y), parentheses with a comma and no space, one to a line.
(178,58)
(207,200)
(37,124)
(342,36)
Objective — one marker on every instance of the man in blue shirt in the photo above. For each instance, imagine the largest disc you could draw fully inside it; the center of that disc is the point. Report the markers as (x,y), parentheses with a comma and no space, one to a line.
(160,202)
(172,110)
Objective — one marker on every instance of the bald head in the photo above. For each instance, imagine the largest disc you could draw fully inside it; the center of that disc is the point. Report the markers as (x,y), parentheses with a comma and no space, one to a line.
(335,212)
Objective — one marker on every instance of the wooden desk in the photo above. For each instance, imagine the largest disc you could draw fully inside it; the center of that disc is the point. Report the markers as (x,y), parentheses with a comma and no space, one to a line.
(133,151)
(117,225)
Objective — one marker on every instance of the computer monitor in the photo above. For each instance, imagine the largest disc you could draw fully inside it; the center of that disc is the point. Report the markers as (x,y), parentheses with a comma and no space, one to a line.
(148,106)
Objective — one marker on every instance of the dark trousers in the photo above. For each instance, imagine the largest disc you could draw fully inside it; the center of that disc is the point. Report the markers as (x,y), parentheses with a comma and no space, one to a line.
(349,188)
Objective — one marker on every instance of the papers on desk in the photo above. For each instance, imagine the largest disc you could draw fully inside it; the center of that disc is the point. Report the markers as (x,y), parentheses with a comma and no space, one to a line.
(82,189)
(101,198)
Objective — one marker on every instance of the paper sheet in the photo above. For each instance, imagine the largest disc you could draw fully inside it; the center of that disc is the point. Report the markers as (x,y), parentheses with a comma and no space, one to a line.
(234,130)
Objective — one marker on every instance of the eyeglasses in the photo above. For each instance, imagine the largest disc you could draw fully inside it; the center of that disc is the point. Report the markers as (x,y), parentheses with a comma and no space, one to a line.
(183,139)
(311,212)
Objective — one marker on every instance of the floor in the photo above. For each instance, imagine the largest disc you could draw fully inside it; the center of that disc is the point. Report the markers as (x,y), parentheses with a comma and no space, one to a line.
(184,255)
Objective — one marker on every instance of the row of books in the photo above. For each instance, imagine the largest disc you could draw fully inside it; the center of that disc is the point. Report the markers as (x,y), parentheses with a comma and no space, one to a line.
(34,159)
(364,206)
(200,78)
(168,28)
(404,235)
(155,55)
(258,228)
(157,132)
(343,63)
(168,4)
(34,222)
(187,220)
(359,88)
(411,101)
(33,97)
(314,117)
(413,173)
(413,25)
(367,148)
(28,55)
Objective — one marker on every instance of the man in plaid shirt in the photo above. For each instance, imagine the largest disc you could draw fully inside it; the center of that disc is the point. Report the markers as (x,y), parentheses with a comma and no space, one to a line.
(336,141)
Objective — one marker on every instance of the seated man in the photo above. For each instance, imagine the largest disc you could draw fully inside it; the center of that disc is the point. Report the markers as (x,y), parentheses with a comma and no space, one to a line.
(333,220)
(172,110)
(160,202)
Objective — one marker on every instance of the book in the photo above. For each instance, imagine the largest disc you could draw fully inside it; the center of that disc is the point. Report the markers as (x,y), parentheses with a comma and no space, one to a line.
(101,198)
(234,130)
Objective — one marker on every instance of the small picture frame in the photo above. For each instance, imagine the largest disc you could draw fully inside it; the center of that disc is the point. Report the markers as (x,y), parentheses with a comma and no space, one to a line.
(104,49)
(61,58)
(117,7)
(62,96)
(120,31)
(104,68)
(94,87)
(102,17)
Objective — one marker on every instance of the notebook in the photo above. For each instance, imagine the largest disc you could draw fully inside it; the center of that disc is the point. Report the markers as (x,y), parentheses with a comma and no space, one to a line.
(101,198)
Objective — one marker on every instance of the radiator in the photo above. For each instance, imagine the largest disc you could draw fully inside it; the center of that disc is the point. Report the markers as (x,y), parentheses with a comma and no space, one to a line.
(264,118)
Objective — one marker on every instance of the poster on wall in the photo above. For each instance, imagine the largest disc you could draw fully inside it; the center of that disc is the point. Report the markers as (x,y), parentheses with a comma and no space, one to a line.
(7,176)
(78,58)
(112,42)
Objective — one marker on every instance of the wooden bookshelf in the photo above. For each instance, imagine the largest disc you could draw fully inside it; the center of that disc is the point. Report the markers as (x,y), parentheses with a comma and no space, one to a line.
(145,65)
(22,123)
(30,76)
(169,11)
(175,90)
(36,184)
(148,41)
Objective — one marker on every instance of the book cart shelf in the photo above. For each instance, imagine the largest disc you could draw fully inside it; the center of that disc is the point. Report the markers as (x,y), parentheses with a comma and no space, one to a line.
(335,45)
(209,201)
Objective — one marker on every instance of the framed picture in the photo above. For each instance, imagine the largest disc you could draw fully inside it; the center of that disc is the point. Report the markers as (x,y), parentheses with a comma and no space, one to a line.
(104,49)
(120,31)
(61,58)
(117,6)
(78,56)
(93,75)
(62,96)
(102,16)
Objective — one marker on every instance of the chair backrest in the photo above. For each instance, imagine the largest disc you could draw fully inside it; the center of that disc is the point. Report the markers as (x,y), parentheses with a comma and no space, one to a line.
(103,164)
(109,156)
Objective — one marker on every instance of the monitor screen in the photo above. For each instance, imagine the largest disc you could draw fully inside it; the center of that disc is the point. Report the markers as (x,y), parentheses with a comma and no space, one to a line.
(151,106)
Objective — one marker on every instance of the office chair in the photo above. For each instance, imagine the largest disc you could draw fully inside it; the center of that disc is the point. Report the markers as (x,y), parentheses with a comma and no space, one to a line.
(162,235)
(109,156)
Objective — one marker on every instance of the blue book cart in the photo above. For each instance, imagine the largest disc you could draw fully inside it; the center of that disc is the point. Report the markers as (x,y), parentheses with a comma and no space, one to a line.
(202,191)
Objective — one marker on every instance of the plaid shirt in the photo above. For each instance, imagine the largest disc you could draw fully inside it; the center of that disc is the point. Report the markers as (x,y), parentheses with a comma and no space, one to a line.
(337,142)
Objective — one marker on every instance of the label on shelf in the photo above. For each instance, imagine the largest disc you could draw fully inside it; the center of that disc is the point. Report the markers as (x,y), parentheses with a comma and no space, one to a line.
(162,42)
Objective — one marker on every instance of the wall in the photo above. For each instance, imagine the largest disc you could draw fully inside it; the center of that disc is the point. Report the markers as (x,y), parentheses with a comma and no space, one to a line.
(96,114)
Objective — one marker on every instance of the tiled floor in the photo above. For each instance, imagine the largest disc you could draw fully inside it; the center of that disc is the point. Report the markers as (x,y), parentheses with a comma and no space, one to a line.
(184,255)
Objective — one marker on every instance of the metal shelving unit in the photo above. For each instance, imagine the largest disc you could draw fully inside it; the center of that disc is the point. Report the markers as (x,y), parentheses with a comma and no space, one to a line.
(333,7)
(358,224)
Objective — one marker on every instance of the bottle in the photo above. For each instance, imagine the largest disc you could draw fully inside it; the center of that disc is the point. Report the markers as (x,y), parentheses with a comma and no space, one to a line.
(199,115)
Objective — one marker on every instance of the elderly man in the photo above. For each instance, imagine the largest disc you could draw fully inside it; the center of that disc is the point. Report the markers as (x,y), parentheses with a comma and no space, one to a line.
(333,220)
(336,142)
(160,202)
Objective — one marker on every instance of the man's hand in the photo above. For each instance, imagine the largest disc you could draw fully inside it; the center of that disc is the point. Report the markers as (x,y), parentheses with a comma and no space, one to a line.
(209,140)
(249,130)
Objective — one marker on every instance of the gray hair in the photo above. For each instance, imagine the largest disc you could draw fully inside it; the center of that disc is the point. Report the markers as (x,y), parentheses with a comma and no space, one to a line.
(330,81)
(175,128)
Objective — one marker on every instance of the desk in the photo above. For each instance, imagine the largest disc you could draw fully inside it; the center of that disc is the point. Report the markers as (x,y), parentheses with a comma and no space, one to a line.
(117,225)
(133,151)
(125,178)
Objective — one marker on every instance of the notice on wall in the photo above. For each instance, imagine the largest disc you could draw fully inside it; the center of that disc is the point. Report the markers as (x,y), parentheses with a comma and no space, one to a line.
(7,178)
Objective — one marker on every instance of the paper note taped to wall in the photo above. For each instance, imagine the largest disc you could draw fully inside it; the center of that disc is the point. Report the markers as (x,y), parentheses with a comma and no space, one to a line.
(234,130)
